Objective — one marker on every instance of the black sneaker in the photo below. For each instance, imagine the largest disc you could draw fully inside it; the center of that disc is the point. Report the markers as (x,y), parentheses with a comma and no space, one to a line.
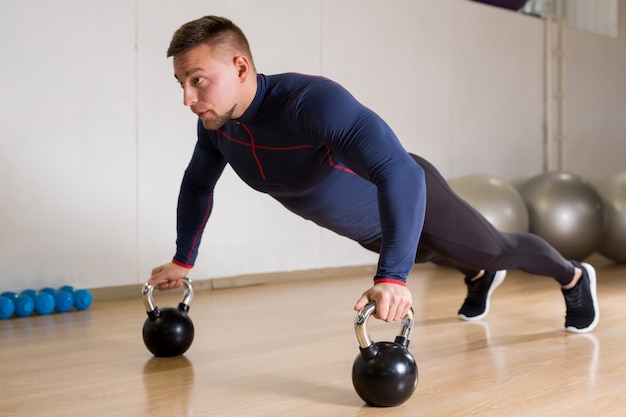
(581,302)
(476,305)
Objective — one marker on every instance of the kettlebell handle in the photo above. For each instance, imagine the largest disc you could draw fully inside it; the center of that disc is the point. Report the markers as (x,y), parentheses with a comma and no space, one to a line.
(361,331)
(148,298)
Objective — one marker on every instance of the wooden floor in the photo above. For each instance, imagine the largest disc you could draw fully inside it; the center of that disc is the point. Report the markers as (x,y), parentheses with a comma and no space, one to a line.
(287,350)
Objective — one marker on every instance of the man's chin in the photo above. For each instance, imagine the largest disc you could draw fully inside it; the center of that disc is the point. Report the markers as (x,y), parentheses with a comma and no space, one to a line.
(218,121)
(213,124)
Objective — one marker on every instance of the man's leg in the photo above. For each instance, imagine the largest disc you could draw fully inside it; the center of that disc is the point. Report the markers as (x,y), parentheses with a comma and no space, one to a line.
(461,237)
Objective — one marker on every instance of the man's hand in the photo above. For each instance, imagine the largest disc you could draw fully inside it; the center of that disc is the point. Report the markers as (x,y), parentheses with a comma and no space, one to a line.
(393,301)
(168,276)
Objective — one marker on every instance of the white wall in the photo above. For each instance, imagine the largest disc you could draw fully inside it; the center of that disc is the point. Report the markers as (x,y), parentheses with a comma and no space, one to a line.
(94,136)
(67,143)
(594,104)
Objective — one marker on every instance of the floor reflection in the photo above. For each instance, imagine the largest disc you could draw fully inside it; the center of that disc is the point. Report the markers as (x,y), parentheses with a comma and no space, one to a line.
(174,376)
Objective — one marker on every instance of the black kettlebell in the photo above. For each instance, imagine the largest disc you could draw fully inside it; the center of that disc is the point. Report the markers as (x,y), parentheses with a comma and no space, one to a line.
(168,331)
(384,374)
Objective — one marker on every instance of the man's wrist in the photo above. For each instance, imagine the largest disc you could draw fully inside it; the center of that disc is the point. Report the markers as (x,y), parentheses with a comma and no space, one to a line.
(384,280)
(179,263)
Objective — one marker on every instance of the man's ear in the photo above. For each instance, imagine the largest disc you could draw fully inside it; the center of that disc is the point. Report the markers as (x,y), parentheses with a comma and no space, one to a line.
(242,66)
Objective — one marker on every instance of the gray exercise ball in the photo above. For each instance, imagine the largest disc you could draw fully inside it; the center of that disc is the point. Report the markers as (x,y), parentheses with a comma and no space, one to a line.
(497,200)
(565,211)
(612,189)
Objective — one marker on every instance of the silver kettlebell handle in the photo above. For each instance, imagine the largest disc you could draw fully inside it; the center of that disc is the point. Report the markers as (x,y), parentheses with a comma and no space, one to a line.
(361,319)
(148,298)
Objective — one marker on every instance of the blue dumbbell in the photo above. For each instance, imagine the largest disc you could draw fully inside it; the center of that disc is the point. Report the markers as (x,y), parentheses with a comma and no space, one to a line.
(10,294)
(24,306)
(49,290)
(44,303)
(30,292)
(67,288)
(64,301)
(7,307)
(82,299)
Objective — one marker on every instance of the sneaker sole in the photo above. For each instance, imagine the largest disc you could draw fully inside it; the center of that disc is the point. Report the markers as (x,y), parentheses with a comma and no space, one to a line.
(591,273)
(497,280)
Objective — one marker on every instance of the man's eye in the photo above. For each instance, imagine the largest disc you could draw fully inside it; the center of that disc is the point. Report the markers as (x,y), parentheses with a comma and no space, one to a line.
(198,80)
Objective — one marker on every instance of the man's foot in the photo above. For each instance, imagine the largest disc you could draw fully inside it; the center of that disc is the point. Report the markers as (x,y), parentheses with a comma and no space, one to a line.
(476,304)
(581,301)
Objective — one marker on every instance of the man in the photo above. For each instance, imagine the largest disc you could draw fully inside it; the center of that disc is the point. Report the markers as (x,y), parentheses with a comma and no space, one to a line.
(309,144)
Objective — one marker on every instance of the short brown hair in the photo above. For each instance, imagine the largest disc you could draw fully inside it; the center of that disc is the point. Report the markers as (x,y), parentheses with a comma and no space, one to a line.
(213,31)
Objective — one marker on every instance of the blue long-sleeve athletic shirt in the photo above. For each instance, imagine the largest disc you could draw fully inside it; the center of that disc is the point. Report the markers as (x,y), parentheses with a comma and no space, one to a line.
(314,148)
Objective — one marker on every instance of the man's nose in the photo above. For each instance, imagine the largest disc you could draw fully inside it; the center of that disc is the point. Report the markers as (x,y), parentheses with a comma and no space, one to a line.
(189,96)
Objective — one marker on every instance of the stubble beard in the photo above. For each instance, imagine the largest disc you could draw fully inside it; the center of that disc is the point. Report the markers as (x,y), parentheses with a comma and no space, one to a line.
(219,120)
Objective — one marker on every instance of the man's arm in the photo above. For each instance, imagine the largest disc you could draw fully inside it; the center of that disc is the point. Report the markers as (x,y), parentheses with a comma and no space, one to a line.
(195,203)
(366,144)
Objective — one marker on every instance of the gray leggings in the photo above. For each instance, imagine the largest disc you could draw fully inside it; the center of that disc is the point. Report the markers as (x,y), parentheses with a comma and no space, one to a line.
(456,235)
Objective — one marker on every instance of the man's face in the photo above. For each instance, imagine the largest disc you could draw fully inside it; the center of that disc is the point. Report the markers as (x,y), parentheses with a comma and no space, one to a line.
(211,85)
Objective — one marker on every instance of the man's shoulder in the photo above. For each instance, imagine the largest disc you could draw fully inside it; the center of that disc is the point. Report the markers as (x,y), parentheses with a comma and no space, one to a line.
(295,80)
